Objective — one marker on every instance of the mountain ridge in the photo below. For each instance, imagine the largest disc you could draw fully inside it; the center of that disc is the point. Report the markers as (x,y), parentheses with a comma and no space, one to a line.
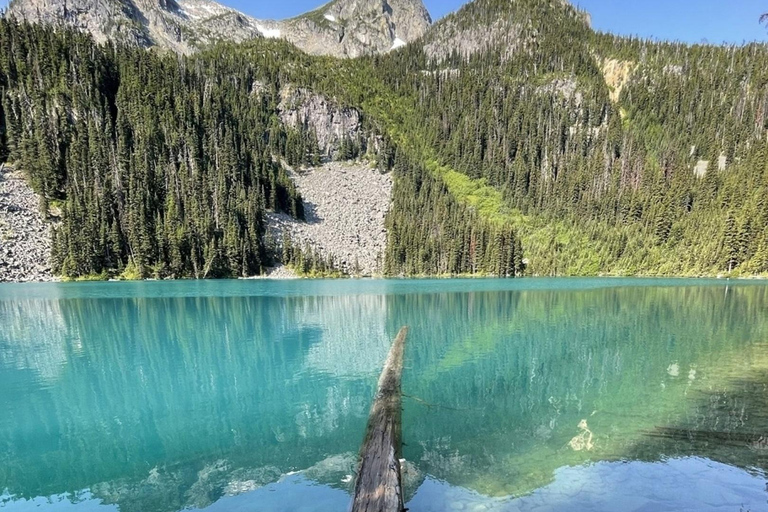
(550,149)
(341,28)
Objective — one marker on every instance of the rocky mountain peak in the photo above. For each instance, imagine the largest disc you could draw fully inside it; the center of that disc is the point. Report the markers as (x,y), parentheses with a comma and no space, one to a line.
(503,27)
(344,28)
(358,27)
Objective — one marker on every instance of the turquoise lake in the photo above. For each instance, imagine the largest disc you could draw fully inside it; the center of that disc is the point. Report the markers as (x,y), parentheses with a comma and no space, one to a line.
(520,395)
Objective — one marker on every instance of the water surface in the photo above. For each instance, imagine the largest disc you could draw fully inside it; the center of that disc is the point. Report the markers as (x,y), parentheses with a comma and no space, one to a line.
(540,394)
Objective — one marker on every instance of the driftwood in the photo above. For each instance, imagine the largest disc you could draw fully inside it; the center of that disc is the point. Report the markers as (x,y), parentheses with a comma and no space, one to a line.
(378,487)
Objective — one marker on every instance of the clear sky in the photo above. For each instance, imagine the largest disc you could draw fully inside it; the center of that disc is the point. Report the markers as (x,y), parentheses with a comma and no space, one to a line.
(715,21)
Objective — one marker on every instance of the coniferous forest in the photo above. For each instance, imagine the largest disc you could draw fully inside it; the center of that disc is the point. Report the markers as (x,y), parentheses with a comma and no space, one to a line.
(566,152)
(158,165)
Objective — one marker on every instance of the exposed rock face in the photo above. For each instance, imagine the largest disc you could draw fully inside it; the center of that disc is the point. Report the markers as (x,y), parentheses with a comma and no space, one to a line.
(343,28)
(345,206)
(280,272)
(617,74)
(357,27)
(568,88)
(331,123)
(25,241)
(180,25)
(468,40)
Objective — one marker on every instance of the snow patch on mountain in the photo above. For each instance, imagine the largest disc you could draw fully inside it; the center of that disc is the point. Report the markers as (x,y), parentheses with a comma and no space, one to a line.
(269,33)
(398,43)
(186,26)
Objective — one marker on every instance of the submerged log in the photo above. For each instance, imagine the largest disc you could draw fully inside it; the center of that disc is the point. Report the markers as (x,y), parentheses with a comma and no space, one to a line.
(378,487)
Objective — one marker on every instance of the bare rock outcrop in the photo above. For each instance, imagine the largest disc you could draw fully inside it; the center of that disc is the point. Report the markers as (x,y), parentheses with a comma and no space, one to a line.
(469,40)
(351,28)
(25,240)
(617,74)
(565,87)
(331,123)
(342,28)
(345,207)
(179,25)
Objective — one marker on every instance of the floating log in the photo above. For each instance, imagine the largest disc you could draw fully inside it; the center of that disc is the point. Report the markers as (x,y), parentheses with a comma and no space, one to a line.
(378,487)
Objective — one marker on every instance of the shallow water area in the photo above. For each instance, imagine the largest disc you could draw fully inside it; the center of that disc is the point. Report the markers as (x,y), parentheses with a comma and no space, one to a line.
(520,395)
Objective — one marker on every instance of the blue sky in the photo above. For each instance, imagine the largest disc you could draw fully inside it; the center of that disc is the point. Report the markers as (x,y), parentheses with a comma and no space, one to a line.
(716,21)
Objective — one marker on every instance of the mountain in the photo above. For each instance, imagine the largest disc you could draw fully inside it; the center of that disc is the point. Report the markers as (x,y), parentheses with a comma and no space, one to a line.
(178,25)
(609,154)
(503,28)
(358,27)
(520,142)
(343,28)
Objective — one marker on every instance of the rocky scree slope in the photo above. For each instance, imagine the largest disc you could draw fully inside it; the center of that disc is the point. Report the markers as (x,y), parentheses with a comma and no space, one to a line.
(342,28)
(25,242)
(345,205)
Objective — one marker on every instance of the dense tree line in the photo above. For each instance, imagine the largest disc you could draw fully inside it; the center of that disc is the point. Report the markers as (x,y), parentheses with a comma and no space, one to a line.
(159,164)
(430,233)
(589,153)
(163,165)
(594,140)
(307,261)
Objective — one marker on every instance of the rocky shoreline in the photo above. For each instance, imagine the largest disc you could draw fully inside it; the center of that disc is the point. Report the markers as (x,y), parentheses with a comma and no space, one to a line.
(25,237)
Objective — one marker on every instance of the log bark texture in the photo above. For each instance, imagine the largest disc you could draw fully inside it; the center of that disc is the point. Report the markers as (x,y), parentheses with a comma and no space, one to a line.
(378,487)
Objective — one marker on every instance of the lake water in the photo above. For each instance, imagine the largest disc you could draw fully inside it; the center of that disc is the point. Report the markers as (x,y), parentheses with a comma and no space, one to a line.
(540,394)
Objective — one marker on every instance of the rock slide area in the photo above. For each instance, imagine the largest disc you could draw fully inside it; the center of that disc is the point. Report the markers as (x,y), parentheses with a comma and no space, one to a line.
(345,208)
(345,203)
(25,241)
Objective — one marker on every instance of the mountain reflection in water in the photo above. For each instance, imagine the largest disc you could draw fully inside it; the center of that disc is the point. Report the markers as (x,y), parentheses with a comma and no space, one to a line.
(225,395)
